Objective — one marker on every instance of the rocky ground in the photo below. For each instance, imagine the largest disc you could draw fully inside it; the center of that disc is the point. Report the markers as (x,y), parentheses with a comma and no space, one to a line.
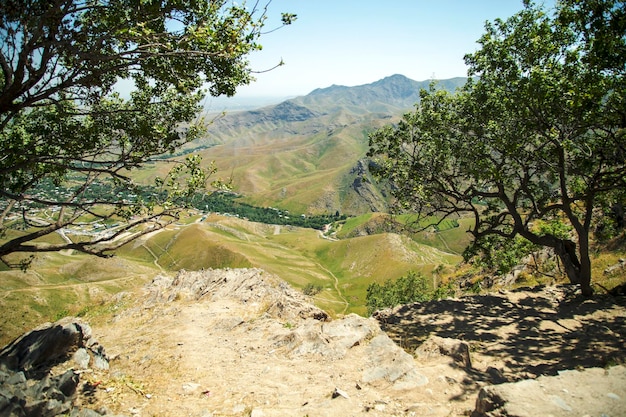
(242,343)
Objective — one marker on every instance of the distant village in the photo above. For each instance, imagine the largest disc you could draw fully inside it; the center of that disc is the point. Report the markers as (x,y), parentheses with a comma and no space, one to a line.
(222,203)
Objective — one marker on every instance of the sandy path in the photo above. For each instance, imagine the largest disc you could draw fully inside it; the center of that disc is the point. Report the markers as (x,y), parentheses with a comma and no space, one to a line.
(227,359)
(235,357)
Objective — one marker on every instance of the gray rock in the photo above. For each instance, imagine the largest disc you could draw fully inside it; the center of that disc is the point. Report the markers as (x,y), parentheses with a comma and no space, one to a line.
(100,362)
(85,412)
(44,345)
(48,345)
(436,346)
(248,285)
(496,375)
(332,340)
(81,358)
(390,364)
(350,331)
(16,378)
(29,385)
(588,392)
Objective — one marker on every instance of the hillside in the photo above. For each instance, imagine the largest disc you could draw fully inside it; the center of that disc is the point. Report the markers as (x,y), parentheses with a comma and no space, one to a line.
(342,269)
(59,284)
(307,154)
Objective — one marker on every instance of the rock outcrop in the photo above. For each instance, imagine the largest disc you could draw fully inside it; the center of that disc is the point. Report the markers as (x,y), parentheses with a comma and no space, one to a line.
(241,342)
(369,194)
(384,363)
(40,371)
(590,392)
(250,286)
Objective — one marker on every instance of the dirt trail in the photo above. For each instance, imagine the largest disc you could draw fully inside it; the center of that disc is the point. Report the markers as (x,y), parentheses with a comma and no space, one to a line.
(251,354)
(156,258)
(228,357)
(344,301)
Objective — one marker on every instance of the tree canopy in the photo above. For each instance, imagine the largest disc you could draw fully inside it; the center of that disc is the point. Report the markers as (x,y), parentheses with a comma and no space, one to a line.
(537,136)
(64,126)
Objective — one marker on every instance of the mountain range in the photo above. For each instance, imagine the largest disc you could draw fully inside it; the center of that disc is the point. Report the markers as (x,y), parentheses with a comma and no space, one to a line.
(307,154)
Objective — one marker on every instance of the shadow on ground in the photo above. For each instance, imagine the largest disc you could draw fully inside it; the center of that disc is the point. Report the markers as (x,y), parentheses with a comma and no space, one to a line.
(525,333)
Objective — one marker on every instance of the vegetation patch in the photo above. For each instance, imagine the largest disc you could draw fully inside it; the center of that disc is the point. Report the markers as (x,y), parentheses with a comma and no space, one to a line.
(407,289)
(230,204)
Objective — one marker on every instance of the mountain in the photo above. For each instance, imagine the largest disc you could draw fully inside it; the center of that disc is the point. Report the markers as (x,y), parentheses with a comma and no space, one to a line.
(392,94)
(307,154)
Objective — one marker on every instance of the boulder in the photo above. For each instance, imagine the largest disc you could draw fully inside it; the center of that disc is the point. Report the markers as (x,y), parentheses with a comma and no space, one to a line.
(436,346)
(589,392)
(32,383)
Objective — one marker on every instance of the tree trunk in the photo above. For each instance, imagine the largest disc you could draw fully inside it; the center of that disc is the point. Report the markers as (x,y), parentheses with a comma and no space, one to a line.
(566,251)
(578,270)
(585,265)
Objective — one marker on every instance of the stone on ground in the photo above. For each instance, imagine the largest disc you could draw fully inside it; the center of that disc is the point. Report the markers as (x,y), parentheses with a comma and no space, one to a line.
(590,392)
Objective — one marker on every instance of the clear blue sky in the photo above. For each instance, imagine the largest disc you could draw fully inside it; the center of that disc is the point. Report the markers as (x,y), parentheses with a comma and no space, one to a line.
(354,42)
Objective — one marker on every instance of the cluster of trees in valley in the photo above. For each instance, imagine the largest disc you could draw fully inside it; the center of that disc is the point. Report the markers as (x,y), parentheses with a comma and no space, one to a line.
(226,203)
(221,202)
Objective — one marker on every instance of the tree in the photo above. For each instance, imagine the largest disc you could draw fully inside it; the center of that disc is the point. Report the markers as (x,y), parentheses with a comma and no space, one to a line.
(407,289)
(63,125)
(536,136)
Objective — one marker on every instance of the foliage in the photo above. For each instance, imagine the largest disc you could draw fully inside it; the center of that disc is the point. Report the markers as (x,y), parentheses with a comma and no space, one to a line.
(499,254)
(61,119)
(311,289)
(537,133)
(444,290)
(611,218)
(225,202)
(406,289)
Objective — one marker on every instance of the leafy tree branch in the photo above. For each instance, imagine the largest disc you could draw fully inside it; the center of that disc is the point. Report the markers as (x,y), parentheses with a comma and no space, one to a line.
(69,142)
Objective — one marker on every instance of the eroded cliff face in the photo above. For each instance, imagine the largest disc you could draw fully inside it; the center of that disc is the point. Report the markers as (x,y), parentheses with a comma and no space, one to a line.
(241,342)
(370,195)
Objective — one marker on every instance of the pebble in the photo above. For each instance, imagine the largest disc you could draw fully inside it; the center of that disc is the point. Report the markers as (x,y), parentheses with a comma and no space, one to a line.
(339,393)
(190,387)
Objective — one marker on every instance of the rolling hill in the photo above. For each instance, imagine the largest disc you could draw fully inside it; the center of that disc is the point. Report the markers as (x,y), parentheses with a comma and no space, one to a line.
(307,154)
(343,268)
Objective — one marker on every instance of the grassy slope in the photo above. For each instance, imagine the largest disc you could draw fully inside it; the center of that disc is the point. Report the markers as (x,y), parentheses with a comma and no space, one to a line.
(294,173)
(62,284)
(300,256)
(301,167)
